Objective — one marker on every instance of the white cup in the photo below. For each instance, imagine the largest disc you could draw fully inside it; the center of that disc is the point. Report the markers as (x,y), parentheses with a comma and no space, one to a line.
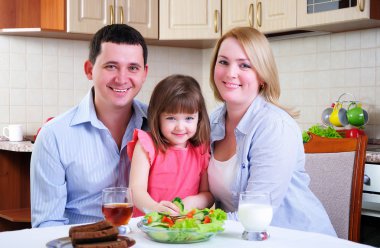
(13,132)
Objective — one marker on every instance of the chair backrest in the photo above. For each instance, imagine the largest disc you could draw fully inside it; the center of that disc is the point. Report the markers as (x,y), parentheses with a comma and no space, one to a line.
(336,169)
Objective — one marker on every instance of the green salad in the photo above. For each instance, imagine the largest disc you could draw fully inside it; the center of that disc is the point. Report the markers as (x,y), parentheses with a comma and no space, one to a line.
(328,132)
(193,226)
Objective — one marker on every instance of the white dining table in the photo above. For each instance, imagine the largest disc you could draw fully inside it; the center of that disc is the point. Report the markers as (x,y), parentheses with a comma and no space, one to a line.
(230,237)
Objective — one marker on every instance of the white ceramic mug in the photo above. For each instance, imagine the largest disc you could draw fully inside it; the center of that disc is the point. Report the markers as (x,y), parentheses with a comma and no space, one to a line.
(13,132)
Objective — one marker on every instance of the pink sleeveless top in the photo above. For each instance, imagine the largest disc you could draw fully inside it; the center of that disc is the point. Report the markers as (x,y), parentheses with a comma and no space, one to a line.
(175,173)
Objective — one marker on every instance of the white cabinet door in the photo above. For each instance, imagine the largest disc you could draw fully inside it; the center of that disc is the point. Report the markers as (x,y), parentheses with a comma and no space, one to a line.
(339,15)
(276,15)
(140,14)
(237,13)
(269,16)
(87,16)
(189,19)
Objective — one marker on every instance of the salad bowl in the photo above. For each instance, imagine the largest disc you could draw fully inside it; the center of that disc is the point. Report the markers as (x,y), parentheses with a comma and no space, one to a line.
(174,236)
(192,226)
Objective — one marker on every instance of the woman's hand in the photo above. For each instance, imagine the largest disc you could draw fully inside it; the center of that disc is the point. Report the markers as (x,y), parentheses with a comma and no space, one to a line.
(167,207)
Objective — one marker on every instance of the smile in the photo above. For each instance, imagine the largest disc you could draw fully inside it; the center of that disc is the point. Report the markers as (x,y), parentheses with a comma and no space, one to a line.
(232,85)
(120,90)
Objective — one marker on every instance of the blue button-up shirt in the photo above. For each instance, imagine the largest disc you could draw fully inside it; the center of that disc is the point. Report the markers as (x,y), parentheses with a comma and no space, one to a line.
(270,156)
(73,159)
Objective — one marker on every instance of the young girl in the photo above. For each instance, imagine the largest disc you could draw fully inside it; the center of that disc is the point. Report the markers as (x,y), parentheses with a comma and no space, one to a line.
(171,161)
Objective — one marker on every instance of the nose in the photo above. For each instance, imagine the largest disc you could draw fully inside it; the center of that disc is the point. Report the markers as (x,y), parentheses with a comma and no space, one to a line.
(232,71)
(179,125)
(121,76)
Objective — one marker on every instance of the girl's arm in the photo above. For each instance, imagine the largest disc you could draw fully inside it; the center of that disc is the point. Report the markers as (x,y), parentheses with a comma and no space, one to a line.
(203,199)
(138,182)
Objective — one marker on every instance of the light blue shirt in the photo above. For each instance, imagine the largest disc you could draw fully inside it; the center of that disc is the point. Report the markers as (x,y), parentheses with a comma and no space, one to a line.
(73,159)
(270,155)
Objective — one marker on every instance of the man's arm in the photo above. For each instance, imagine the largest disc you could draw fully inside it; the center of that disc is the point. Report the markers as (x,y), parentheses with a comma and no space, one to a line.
(47,182)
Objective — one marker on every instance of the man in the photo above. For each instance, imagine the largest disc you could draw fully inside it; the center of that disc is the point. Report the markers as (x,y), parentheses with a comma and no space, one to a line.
(83,151)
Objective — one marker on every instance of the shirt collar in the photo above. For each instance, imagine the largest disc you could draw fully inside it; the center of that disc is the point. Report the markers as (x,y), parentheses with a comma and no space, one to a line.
(86,112)
(245,123)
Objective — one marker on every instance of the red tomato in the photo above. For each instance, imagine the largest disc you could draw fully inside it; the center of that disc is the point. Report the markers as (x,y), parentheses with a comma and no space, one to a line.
(167,220)
(206,220)
(354,133)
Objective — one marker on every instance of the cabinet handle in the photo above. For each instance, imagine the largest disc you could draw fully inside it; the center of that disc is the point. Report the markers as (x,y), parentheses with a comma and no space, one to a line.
(259,13)
(216,28)
(112,16)
(367,180)
(361,5)
(121,14)
(250,15)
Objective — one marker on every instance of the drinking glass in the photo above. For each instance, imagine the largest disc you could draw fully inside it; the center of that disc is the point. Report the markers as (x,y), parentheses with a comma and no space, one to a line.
(255,214)
(117,207)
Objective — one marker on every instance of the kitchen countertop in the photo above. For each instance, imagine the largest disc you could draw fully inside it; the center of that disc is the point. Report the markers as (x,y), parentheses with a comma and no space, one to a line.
(27,146)
(20,146)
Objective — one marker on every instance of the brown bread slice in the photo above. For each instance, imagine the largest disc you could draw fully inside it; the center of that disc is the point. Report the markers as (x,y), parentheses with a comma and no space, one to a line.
(101,225)
(109,244)
(109,234)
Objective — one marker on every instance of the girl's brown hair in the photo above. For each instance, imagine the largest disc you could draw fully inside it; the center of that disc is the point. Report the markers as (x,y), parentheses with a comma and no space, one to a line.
(178,94)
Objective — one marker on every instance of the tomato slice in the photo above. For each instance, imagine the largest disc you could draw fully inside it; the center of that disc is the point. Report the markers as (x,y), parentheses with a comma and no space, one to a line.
(167,220)
(207,220)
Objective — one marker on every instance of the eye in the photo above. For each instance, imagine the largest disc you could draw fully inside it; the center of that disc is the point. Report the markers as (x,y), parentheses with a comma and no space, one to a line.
(190,118)
(110,67)
(222,62)
(245,66)
(134,68)
(170,118)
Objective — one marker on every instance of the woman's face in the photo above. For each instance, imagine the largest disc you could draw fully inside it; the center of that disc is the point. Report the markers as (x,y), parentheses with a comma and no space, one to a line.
(234,75)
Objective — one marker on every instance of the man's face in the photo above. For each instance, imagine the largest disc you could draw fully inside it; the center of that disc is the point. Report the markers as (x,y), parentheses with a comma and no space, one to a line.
(118,75)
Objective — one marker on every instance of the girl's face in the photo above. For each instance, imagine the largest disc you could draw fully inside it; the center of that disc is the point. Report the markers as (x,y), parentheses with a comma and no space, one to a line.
(178,128)
(234,75)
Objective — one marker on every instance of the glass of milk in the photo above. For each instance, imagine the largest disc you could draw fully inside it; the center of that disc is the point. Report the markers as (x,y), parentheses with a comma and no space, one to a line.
(255,214)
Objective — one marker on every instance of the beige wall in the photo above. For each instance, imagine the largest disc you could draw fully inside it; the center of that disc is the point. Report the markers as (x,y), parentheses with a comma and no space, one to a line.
(44,77)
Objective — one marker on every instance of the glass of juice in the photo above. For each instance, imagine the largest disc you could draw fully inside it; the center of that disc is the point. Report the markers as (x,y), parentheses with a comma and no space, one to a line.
(255,214)
(117,207)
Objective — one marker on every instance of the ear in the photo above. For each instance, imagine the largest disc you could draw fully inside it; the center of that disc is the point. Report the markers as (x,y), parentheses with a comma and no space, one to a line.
(146,72)
(88,69)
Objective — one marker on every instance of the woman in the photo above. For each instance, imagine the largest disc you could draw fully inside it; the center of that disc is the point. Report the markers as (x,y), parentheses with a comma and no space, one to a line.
(255,143)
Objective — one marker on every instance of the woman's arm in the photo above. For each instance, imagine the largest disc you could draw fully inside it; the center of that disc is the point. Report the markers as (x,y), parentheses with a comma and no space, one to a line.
(273,158)
(138,182)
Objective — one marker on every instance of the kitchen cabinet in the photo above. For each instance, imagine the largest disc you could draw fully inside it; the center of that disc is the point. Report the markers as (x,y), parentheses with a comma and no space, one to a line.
(189,19)
(33,14)
(14,190)
(85,17)
(268,16)
(333,16)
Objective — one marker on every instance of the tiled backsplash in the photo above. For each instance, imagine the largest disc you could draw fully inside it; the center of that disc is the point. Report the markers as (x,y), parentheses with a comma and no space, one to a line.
(44,77)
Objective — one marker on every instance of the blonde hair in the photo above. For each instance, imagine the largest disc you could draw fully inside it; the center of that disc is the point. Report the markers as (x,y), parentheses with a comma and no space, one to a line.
(259,53)
(178,94)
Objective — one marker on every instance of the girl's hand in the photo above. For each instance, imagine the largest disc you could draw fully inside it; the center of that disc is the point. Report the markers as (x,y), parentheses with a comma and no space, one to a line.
(167,207)
(190,202)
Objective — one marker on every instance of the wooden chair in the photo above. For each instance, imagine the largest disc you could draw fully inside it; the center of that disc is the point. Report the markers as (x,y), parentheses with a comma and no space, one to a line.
(336,169)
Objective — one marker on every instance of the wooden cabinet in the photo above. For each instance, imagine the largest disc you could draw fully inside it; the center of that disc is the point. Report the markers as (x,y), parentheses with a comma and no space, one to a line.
(338,17)
(142,15)
(85,17)
(237,13)
(14,190)
(37,14)
(274,16)
(269,16)
(189,19)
